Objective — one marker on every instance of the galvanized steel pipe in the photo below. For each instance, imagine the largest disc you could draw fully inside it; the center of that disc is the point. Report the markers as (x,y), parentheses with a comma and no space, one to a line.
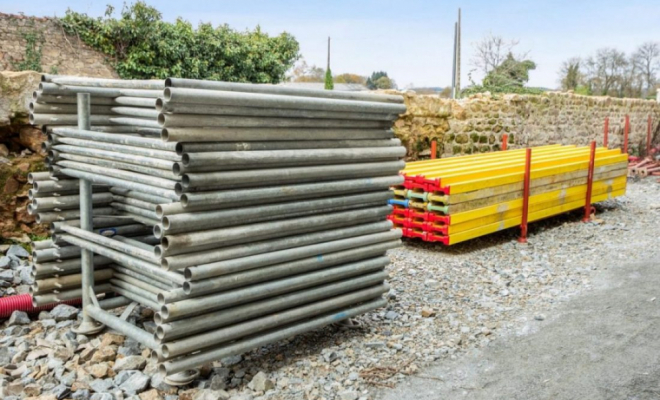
(258,275)
(264,134)
(238,347)
(243,99)
(270,245)
(280,90)
(167,331)
(200,305)
(273,229)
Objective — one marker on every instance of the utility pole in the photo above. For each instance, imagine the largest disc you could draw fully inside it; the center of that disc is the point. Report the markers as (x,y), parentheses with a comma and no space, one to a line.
(328,54)
(456,61)
(458,55)
(453,66)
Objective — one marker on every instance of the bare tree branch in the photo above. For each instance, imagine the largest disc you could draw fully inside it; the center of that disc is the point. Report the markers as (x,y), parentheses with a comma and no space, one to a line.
(491,51)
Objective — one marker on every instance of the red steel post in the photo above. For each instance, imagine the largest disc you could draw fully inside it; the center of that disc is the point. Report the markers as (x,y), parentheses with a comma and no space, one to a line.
(606,131)
(590,182)
(626,130)
(648,136)
(525,208)
(434,149)
(505,143)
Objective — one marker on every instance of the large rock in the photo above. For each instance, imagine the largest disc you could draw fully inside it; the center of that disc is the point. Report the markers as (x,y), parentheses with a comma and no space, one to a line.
(130,363)
(18,318)
(136,383)
(15,94)
(261,383)
(31,137)
(11,186)
(64,312)
(18,251)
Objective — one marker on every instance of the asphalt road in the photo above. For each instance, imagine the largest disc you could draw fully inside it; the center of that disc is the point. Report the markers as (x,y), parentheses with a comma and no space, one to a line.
(604,344)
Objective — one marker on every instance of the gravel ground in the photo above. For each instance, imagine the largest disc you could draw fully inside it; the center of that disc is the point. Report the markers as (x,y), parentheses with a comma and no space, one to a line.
(443,302)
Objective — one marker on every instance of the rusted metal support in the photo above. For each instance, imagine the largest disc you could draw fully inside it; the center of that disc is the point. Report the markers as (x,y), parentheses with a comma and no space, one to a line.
(525,210)
(434,149)
(606,131)
(505,141)
(626,132)
(590,182)
(649,123)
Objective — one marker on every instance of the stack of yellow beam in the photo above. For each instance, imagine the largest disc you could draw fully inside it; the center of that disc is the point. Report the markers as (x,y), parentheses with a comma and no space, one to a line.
(456,199)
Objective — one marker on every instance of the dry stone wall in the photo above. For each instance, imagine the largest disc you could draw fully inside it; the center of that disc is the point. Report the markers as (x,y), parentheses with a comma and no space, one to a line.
(476,124)
(60,53)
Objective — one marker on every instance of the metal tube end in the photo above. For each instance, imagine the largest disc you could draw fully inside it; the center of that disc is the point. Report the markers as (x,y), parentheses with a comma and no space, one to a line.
(159,104)
(176,169)
(165,352)
(167,93)
(187,273)
(160,332)
(186,288)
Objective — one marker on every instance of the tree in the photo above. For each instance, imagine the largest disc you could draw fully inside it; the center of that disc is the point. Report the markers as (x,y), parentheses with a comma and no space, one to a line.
(380,80)
(329,85)
(305,73)
(509,73)
(445,93)
(143,46)
(351,79)
(491,51)
(610,72)
(570,74)
(647,60)
(605,71)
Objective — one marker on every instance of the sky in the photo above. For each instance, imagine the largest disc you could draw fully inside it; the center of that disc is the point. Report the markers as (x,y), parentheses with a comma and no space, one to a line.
(413,40)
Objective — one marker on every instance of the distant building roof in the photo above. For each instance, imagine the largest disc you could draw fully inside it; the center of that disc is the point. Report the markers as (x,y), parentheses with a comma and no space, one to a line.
(344,87)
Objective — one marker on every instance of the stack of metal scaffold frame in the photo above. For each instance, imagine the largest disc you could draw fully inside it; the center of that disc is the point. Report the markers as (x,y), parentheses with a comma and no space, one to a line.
(455,199)
(241,214)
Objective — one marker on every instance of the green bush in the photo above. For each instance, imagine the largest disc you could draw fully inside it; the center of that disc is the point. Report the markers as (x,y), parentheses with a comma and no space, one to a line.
(34,40)
(143,46)
(329,84)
